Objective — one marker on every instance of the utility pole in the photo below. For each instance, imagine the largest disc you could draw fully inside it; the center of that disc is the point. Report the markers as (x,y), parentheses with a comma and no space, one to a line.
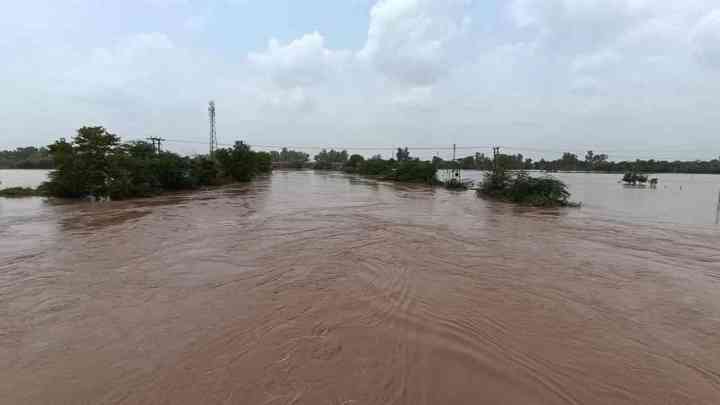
(213,132)
(157,143)
(454,148)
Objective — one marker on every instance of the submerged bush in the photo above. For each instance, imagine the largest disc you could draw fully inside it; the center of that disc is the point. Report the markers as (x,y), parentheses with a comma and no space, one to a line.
(523,189)
(415,171)
(409,171)
(332,160)
(96,164)
(16,192)
(634,178)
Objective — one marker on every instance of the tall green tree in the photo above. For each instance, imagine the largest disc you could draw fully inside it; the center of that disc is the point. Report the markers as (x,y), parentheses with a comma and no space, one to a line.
(83,167)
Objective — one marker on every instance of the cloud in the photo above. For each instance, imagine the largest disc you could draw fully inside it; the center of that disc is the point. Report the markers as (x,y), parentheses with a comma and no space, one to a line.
(579,25)
(133,48)
(597,62)
(705,39)
(302,62)
(414,41)
(456,68)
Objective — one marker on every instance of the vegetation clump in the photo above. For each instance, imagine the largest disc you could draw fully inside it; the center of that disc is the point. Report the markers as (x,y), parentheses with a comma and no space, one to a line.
(26,158)
(634,178)
(289,158)
(404,169)
(17,192)
(520,188)
(96,164)
(330,160)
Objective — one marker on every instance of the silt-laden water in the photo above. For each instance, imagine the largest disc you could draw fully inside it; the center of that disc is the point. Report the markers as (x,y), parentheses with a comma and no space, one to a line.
(308,288)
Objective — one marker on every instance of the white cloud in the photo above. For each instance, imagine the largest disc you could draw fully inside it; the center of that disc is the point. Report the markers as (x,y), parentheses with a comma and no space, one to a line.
(414,41)
(705,39)
(554,69)
(302,62)
(597,62)
(580,25)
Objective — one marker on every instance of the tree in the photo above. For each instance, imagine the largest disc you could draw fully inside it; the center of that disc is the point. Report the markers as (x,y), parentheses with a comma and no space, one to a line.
(292,156)
(263,162)
(237,162)
(96,164)
(402,154)
(354,164)
(83,166)
(328,160)
(569,161)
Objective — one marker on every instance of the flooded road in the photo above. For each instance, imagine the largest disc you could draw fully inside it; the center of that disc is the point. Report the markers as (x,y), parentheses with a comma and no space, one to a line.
(305,288)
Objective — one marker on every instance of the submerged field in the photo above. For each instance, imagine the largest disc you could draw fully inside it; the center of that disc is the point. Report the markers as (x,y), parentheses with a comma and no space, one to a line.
(309,288)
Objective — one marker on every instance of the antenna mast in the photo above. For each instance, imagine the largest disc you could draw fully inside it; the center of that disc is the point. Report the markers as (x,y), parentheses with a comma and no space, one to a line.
(213,132)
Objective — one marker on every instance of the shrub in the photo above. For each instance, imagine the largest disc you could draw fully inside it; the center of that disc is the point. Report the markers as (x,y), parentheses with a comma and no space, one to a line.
(523,189)
(263,162)
(634,178)
(16,192)
(96,164)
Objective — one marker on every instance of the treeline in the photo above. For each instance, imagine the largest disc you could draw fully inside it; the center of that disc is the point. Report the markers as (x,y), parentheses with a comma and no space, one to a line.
(95,163)
(591,162)
(404,168)
(330,160)
(289,158)
(26,158)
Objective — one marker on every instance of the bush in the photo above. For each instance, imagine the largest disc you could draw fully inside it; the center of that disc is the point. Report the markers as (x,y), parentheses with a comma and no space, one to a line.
(16,192)
(354,164)
(410,171)
(520,188)
(96,164)
(415,171)
(634,178)
(263,161)
(332,160)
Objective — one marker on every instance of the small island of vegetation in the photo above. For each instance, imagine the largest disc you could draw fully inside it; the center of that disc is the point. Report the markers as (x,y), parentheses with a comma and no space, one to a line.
(96,164)
(403,169)
(521,188)
(17,192)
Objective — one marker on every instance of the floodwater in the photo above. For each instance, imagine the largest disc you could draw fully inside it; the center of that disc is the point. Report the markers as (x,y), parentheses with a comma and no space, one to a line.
(310,288)
(22,178)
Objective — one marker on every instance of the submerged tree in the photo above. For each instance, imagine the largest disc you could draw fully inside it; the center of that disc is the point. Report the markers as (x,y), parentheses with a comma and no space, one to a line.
(521,188)
(402,154)
(83,167)
(237,162)
(634,178)
(95,164)
(329,160)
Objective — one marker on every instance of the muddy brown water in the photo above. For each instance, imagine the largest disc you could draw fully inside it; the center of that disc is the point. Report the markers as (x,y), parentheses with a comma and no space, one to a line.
(306,288)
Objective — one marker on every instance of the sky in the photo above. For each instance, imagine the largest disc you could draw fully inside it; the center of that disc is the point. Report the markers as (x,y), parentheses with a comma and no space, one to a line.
(629,78)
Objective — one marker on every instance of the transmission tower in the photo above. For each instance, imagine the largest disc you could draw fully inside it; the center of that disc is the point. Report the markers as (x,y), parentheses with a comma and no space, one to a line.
(213,132)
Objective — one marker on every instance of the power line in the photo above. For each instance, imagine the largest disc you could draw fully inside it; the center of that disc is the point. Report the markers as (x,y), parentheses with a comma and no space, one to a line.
(615,153)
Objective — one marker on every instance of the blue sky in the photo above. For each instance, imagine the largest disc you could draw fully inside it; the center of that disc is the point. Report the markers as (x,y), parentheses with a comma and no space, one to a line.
(631,78)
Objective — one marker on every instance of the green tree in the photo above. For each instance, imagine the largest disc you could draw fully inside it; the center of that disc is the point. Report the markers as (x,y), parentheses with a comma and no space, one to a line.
(402,154)
(83,166)
(237,162)
(263,162)
(355,163)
